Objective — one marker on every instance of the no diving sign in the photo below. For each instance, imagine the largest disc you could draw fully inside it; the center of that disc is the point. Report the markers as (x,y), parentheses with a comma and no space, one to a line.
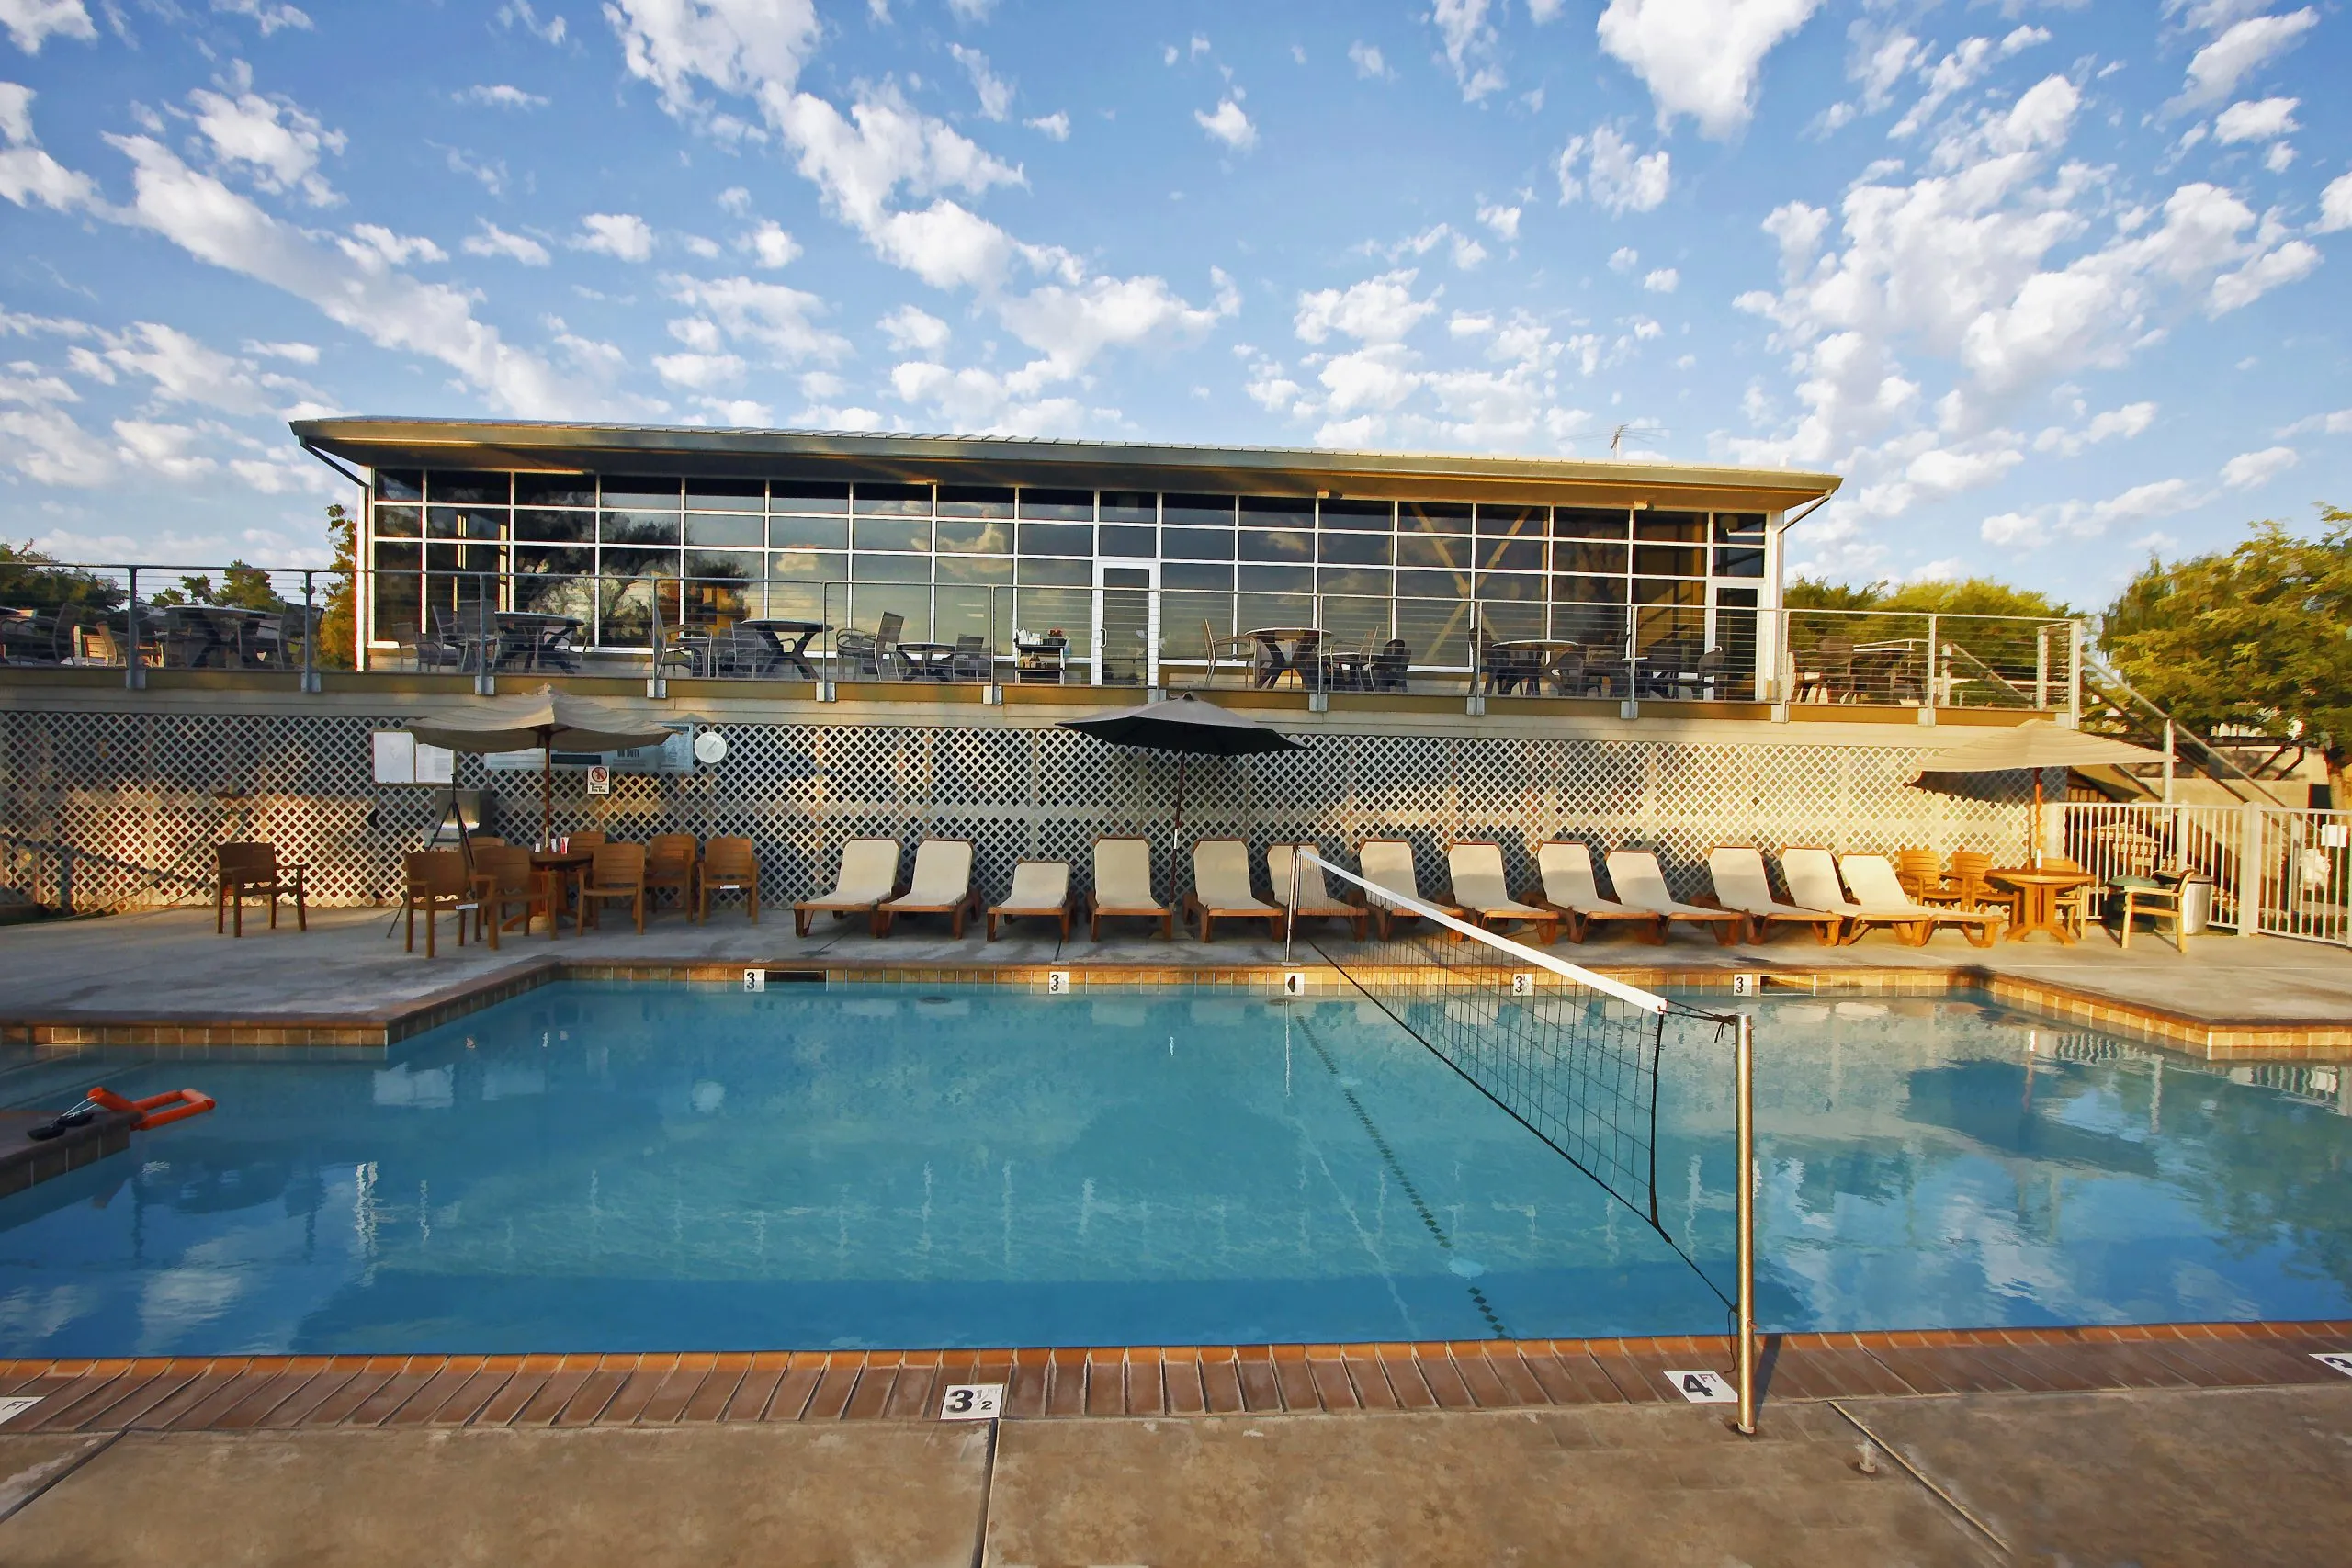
(1703,1388)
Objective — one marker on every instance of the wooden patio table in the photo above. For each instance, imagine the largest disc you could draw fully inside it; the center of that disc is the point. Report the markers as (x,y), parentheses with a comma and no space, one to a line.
(561,866)
(2038,899)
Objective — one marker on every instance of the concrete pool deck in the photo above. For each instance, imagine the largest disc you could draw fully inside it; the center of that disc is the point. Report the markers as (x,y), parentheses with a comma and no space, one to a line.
(163,976)
(2219,1444)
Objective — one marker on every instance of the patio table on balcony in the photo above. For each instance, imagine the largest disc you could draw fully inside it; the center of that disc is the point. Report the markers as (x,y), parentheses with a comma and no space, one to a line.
(928,661)
(1528,661)
(1288,651)
(774,630)
(2038,899)
(531,640)
(26,636)
(218,636)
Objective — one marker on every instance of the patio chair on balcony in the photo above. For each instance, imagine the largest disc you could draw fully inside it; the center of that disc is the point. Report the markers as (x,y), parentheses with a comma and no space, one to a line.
(252,871)
(1299,887)
(1041,891)
(869,873)
(1221,889)
(1641,885)
(1241,652)
(1122,887)
(1833,679)
(940,884)
(1883,903)
(728,866)
(1567,885)
(1738,874)
(670,861)
(1480,895)
(973,660)
(1389,862)
(1392,666)
(858,656)
(433,883)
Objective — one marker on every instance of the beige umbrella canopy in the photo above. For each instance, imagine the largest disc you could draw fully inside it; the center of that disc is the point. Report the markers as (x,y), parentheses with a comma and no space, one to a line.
(545,720)
(2030,747)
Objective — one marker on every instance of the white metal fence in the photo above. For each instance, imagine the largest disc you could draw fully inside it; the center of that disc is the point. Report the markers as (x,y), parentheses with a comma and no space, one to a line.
(2275,872)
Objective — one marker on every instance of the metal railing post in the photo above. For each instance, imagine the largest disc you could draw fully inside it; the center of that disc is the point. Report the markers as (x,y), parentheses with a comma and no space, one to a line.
(309,633)
(1928,691)
(485,682)
(1747,1137)
(2074,674)
(134,675)
(655,686)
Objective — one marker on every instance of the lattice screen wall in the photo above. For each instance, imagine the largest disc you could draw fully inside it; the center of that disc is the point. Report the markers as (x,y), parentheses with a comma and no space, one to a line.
(107,810)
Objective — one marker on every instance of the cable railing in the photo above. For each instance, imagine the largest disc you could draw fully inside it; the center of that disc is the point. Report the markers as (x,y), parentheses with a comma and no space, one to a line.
(833,632)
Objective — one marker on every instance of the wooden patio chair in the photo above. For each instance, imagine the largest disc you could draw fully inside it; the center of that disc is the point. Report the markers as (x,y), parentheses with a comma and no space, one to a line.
(669,862)
(504,879)
(1740,883)
(1971,888)
(1568,886)
(252,871)
(1921,873)
(728,866)
(940,885)
(1641,885)
(1480,895)
(869,873)
(1040,890)
(1310,898)
(2165,896)
(1221,889)
(434,882)
(1122,887)
(617,871)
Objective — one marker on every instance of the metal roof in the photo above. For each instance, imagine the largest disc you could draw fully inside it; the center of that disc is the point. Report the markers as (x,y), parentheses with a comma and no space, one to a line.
(690,450)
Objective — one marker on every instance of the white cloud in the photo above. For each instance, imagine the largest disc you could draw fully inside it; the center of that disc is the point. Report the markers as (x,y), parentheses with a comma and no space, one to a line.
(699,372)
(372,243)
(502,97)
(185,370)
(2289,263)
(995,92)
(2249,470)
(271,15)
(1369,63)
(2124,423)
(912,331)
(2215,71)
(494,241)
(2336,205)
(2336,424)
(771,245)
(736,199)
(1955,73)
(1503,220)
(1543,11)
(621,235)
(297,353)
(775,317)
(2261,119)
(16,113)
(1616,178)
(1665,280)
(518,13)
(30,22)
(1377,310)
(1055,125)
(2019,40)
(1700,58)
(1624,258)
(1230,125)
(278,144)
(737,46)
(168,449)
(701,245)
(1469,42)
(972,10)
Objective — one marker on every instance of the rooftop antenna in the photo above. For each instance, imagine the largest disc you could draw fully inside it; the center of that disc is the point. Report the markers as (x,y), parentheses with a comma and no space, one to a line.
(1637,432)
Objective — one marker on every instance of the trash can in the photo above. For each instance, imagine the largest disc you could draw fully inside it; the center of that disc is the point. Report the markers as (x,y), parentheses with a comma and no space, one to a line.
(2195,905)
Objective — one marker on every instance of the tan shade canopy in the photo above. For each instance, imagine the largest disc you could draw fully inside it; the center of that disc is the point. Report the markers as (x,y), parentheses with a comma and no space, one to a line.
(529,720)
(2037,743)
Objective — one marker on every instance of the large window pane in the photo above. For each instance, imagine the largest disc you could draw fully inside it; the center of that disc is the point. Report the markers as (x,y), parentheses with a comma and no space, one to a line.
(1353,580)
(804,601)
(807,495)
(1590,522)
(1188,620)
(1128,540)
(1057,538)
(1056,574)
(1671,527)
(555,489)
(1298,579)
(1070,612)
(1738,563)
(1374,516)
(1271,611)
(1739,527)
(1590,558)
(739,566)
(972,612)
(1130,506)
(400,484)
(560,560)
(464,558)
(1509,621)
(637,528)
(399,522)
(464,522)
(1511,554)
(1432,517)
(1282,547)
(1432,550)
(623,493)
(1504,521)
(975,538)
(892,501)
(1433,585)
(557,527)
(892,535)
(1353,622)
(711,602)
(1059,505)
(1598,627)
(455,488)
(1669,561)
(975,500)
(1511,585)
(1196,511)
(975,569)
(726,532)
(1437,632)
(1277,512)
(890,569)
(636,563)
(1196,543)
(807,533)
(869,602)
(809,566)
(556,595)
(1356,549)
(1214,575)
(1660,590)
(1588,590)
(727,495)
(1735,635)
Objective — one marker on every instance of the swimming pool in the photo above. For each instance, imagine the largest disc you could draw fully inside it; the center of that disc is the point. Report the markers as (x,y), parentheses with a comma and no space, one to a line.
(597,1166)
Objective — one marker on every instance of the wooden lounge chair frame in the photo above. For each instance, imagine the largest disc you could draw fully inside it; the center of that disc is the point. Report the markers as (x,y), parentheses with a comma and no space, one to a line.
(1628,869)
(1914,924)
(1030,897)
(1546,920)
(915,898)
(845,899)
(1576,913)
(1227,903)
(1097,907)
(1282,872)
(1827,925)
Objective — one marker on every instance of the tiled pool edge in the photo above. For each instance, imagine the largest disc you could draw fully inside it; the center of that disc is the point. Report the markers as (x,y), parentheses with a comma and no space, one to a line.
(366,1032)
(280,1392)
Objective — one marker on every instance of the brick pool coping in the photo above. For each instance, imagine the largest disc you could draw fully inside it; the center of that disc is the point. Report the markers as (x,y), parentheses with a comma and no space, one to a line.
(280,1392)
(367,1031)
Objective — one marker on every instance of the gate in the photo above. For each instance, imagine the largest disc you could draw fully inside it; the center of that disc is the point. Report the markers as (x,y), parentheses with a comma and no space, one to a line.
(2275,872)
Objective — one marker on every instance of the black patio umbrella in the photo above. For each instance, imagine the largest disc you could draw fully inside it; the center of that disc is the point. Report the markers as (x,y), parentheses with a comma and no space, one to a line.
(1188,726)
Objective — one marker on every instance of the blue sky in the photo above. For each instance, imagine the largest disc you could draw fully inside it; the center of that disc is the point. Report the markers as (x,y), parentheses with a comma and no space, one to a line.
(2053,285)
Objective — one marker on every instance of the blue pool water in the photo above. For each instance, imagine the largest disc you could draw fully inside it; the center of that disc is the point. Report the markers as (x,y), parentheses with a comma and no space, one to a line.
(609,1167)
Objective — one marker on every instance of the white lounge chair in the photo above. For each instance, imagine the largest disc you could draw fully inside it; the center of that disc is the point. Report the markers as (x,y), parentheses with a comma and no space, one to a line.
(1122,887)
(1568,886)
(1811,876)
(1880,892)
(1481,895)
(942,884)
(1040,888)
(1389,862)
(1740,882)
(869,874)
(1314,900)
(1641,885)
(1221,889)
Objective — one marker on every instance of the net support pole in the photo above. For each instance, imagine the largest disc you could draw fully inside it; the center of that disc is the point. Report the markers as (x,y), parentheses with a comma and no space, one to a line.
(1746,1132)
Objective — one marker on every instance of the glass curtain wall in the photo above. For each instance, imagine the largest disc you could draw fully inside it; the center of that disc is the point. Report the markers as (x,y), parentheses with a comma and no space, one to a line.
(1401,579)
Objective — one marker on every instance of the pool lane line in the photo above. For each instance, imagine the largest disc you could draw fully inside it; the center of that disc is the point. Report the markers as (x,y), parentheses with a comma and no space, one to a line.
(1388,1157)
(1916,1473)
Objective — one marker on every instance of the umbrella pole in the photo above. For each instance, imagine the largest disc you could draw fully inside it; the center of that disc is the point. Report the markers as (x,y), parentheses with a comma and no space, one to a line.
(2033,849)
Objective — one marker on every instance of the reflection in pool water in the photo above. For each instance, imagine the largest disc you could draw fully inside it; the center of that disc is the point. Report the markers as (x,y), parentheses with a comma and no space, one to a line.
(612,1168)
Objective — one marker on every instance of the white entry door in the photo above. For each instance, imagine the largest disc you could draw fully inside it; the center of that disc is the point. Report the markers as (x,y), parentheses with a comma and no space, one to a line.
(1126,623)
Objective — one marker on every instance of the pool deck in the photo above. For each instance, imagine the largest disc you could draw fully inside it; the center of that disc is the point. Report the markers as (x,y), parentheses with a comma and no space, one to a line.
(163,978)
(2219,1443)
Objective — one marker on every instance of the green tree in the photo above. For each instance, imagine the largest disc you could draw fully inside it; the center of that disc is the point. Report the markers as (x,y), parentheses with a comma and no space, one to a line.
(339,625)
(31,580)
(2259,636)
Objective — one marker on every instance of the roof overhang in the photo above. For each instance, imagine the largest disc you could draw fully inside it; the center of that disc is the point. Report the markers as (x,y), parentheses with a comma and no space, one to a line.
(548,448)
